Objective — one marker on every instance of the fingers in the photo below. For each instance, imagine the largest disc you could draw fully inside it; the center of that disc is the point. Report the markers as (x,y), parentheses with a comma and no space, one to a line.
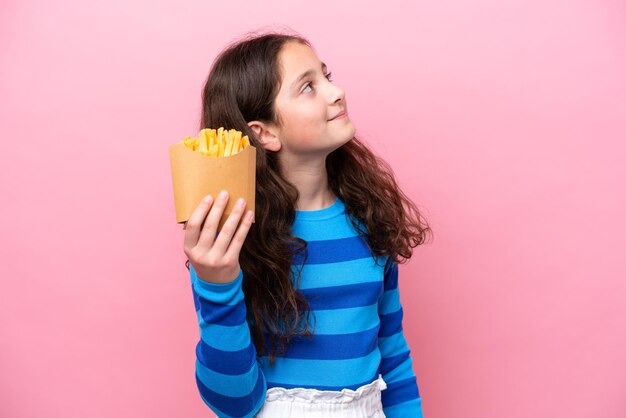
(240,236)
(209,231)
(201,228)
(194,224)
(229,229)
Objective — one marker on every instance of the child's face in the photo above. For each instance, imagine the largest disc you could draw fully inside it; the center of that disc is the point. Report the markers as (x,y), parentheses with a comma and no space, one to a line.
(307,105)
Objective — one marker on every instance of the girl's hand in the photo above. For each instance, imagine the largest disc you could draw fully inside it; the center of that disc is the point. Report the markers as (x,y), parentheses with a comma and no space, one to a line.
(216,258)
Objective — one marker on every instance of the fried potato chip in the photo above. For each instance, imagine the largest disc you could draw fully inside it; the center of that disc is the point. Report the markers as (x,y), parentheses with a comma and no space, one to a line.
(229,147)
(213,137)
(191,142)
(219,142)
(236,142)
(202,142)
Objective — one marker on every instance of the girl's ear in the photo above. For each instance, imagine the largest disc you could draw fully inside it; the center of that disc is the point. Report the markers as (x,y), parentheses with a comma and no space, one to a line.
(265,135)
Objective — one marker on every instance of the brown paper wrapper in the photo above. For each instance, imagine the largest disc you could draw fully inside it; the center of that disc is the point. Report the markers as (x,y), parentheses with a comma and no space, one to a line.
(195,175)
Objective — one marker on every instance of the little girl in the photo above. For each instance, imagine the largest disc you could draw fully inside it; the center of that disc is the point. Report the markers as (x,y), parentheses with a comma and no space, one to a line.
(299,312)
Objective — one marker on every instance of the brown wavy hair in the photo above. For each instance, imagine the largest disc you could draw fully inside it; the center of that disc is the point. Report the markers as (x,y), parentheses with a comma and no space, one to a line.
(241,87)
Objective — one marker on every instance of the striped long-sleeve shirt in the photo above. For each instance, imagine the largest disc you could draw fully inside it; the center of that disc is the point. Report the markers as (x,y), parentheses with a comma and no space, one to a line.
(357,314)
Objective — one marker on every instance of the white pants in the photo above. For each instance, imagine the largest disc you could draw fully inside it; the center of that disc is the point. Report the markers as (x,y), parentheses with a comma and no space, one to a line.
(312,403)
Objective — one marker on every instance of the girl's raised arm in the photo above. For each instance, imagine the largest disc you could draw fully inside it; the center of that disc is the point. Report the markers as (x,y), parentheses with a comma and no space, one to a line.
(228,376)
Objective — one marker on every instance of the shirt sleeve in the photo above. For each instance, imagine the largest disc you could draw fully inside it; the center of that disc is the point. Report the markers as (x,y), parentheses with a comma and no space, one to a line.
(228,376)
(401,398)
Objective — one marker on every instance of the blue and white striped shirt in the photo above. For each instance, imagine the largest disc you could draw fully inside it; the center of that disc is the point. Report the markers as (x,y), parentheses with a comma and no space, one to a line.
(357,315)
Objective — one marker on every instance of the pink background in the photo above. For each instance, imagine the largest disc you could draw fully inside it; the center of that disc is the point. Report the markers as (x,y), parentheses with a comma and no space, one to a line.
(504,122)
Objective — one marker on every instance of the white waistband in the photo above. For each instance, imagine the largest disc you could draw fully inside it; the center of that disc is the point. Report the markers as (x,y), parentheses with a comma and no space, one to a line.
(326,396)
(365,402)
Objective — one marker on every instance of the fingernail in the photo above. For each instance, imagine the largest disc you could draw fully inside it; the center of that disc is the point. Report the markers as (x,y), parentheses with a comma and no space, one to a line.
(207,198)
(223,194)
(241,203)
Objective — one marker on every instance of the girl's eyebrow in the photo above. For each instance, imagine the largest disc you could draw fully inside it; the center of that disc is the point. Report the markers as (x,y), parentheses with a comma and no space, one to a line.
(306,74)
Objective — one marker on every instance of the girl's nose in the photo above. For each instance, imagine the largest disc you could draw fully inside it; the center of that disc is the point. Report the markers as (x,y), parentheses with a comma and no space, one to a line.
(337,94)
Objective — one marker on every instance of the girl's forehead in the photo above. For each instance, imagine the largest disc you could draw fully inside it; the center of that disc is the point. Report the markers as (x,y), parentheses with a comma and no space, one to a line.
(297,59)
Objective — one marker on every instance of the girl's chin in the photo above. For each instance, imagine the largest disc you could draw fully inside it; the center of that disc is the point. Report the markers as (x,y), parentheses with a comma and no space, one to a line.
(352,130)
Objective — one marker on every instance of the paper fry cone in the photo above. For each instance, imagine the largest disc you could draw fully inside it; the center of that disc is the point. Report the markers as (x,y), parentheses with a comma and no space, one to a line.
(195,175)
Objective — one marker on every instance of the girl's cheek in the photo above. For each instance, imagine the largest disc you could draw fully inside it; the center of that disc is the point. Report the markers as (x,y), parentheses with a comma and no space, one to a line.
(307,134)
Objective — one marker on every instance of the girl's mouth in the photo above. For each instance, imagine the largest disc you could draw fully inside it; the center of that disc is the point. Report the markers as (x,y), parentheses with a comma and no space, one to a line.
(340,116)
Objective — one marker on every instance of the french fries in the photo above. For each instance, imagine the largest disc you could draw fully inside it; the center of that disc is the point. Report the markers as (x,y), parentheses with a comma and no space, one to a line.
(217,143)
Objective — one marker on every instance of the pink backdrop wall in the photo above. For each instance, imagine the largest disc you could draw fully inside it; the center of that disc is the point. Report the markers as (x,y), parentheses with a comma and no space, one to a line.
(504,121)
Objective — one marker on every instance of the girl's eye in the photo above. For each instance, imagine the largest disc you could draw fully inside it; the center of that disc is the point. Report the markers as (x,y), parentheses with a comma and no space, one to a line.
(308,85)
